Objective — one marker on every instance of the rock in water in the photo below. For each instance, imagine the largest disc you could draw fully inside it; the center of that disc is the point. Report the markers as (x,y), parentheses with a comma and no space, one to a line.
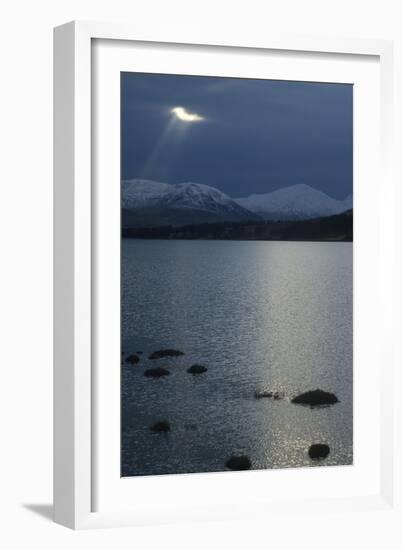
(272,394)
(315,398)
(197,369)
(260,394)
(156,373)
(162,426)
(241,462)
(318,451)
(133,359)
(166,353)
(191,427)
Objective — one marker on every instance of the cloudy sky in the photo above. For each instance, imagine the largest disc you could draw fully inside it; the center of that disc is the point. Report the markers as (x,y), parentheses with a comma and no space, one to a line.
(241,136)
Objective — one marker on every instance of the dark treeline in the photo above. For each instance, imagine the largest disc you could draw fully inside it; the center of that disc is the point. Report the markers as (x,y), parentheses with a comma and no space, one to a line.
(331,228)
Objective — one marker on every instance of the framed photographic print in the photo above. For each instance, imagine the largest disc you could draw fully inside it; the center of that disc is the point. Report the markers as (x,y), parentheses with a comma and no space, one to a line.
(221,276)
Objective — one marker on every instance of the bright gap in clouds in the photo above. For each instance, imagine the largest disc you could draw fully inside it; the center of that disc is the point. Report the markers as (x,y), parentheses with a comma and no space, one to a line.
(184,115)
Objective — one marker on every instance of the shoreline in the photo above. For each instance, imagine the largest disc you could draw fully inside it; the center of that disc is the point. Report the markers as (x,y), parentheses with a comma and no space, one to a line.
(126,237)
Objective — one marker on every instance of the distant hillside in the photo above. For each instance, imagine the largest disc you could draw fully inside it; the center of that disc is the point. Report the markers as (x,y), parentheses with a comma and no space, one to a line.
(148,203)
(296,202)
(331,228)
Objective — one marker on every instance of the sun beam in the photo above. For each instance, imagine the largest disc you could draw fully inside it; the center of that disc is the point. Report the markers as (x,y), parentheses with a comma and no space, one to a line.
(173,133)
(184,115)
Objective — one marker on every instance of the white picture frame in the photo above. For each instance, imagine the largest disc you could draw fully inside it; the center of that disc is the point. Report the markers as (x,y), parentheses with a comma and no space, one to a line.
(81,426)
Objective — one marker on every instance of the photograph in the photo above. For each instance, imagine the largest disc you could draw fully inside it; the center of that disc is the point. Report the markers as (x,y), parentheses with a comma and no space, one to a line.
(236,274)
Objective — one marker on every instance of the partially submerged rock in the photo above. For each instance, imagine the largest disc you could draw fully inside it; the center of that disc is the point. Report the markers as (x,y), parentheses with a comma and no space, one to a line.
(156,373)
(133,359)
(240,462)
(165,353)
(191,427)
(197,369)
(261,394)
(269,394)
(315,398)
(162,426)
(318,451)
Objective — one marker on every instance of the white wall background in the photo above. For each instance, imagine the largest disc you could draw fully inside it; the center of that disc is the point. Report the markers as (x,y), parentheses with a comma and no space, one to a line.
(26,268)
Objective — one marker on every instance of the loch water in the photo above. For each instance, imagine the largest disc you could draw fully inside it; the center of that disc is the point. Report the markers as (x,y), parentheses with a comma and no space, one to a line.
(261,316)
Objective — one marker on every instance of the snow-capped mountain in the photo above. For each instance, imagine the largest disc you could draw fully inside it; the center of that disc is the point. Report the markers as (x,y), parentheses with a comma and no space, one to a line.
(137,193)
(296,202)
(151,203)
(348,202)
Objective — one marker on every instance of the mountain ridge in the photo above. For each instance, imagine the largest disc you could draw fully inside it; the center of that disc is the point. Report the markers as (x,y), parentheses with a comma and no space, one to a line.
(295,202)
(148,203)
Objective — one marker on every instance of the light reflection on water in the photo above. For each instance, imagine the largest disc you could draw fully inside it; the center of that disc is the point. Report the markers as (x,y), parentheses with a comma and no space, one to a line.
(261,316)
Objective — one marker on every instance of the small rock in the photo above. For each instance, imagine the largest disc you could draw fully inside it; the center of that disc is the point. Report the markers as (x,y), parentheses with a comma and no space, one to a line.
(241,462)
(270,394)
(132,359)
(315,398)
(139,352)
(191,427)
(260,394)
(166,353)
(156,373)
(318,451)
(197,369)
(162,426)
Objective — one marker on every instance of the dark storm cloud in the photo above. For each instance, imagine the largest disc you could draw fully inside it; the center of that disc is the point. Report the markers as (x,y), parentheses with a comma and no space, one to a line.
(256,136)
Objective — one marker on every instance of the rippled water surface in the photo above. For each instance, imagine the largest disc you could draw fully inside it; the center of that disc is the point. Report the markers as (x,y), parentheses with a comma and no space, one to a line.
(261,316)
